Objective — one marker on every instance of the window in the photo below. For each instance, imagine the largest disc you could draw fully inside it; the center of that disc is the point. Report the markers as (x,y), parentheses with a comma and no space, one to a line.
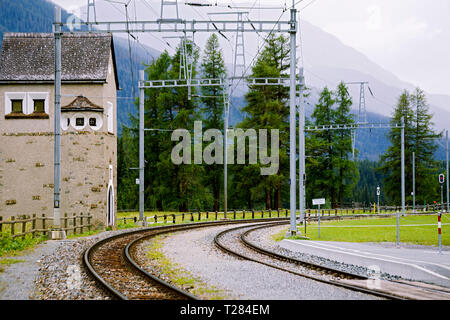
(79,122)
(39,105)
(68,121)
(17,106)
(93,122)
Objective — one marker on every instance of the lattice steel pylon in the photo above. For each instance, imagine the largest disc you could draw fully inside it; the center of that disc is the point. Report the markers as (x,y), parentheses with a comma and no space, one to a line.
(239,49)
(362,112)
(91,3)
(169,3)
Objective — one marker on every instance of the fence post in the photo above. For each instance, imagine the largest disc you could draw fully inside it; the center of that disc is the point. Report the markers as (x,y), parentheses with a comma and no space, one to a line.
(33,226)
(89,222)
(156,218)
(253,214)
(270,213)
(43,225)
(65,223)
(207,215)
(182,217)
(165,218)
(286,212)
(12,225)
(74,223)
(216,215)
(200,215)
(173,217)
(278,212)
(234,214)
(24,226)
(81,222)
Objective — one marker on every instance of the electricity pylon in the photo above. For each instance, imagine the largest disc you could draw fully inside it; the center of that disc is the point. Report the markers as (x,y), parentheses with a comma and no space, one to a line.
(91,3)
(362,112)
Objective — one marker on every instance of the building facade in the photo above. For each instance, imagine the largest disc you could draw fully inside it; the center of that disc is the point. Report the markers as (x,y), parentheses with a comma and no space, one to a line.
(88,125)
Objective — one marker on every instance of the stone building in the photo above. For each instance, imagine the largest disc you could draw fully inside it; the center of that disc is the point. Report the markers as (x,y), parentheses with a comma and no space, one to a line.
(88,125)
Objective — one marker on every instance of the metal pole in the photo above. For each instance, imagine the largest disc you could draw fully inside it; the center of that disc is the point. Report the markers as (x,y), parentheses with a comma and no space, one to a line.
(301,162)
(319,220)
(141,147)
(414,180)
(403,178)
(57,151)
(292,122)
(446,137)
(225,160)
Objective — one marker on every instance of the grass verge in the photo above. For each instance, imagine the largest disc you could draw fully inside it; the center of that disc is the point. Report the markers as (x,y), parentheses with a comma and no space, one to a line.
(179,276)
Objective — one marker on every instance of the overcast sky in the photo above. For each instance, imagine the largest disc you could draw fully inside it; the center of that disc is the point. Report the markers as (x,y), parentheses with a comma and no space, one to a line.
(410,38)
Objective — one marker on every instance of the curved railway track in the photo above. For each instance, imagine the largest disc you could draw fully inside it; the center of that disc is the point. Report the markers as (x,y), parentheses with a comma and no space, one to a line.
(239,246)
(110,262)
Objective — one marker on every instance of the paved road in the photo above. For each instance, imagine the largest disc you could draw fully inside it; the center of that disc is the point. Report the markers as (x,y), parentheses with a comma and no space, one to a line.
(416,263)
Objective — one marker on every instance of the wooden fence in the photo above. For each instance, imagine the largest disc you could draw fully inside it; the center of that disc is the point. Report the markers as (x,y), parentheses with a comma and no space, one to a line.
(35,225)
(258,214)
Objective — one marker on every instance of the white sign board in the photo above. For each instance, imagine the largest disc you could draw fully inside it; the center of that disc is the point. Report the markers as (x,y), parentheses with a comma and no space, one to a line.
(137,181)
(317,202)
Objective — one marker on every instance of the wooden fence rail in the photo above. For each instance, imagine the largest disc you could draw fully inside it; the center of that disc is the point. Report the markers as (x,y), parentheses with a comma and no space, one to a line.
(35,225)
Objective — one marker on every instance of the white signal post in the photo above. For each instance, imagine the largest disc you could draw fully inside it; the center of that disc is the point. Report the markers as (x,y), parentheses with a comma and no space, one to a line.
(318,202)
(378,196)
(439,233)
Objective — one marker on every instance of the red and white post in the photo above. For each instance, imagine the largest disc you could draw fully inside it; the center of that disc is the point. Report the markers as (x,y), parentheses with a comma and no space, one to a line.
(439,232)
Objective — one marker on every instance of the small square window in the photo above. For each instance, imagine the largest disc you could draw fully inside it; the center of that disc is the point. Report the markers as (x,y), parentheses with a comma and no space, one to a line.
(93,122)
(39,105)
(17,106)
(79,122)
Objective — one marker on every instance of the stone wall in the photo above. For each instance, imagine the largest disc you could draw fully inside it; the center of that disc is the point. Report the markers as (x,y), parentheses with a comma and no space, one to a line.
(27,173)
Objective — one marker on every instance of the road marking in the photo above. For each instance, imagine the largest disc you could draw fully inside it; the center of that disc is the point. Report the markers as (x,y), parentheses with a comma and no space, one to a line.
(382,255)
(382,225)
(376,258)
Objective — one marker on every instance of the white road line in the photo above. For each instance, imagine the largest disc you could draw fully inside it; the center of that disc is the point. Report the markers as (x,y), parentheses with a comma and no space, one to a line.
(376,258)
(381,255)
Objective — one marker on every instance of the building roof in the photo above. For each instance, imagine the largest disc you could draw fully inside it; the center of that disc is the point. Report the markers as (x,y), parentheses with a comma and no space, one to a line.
(29,57)
(81,104)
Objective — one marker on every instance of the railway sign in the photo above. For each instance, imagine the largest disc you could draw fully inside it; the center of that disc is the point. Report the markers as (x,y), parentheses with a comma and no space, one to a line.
(441,178)
(378,190)
(318,202)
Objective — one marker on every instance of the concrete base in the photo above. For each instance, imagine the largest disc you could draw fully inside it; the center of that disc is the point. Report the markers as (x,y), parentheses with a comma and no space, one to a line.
(57,235)
(291,233)
(142,223)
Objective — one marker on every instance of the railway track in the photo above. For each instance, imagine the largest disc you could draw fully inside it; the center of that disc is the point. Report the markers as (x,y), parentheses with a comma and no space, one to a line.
(235,241)
(110,262)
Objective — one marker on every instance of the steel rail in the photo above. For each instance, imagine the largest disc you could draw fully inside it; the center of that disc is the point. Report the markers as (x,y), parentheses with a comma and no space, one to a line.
(307,264)
(154,231)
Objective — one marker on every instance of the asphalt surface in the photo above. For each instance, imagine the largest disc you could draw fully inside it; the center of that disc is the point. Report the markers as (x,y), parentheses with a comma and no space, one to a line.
(420,263)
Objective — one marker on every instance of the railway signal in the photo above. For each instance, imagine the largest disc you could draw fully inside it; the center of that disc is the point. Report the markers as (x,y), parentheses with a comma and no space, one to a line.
(441,181)
(378,196)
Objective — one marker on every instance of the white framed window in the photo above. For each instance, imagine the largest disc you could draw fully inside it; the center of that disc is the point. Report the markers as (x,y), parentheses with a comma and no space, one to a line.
(78,121)
(15,98)
(95,122)
(35,101)
(110,116)
(65,122)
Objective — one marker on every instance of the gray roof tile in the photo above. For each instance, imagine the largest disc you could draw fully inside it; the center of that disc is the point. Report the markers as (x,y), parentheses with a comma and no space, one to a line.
(30,57)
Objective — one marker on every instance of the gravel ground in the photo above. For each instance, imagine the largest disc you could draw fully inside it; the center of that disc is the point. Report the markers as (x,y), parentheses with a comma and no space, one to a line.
(195,251)
(53,270)
(263,238)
